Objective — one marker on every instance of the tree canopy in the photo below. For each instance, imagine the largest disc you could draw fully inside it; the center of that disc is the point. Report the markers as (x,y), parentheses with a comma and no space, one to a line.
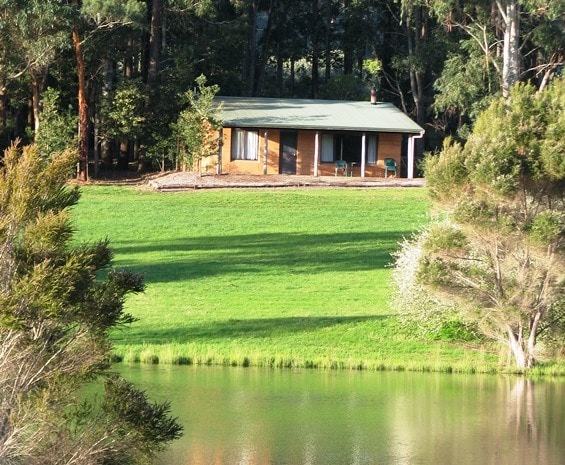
(58,303)
(497,250)
(151,52)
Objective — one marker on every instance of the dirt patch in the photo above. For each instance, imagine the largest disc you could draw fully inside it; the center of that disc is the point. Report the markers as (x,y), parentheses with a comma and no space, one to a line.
(178,181)
(188,181)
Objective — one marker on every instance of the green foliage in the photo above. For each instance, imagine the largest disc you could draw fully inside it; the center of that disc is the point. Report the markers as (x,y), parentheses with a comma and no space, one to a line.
(31,184)
(459,42)
(57,130)
(114,11)
(418,310)
(124,111)
(512,141)
(41,31)
(196,126)
(446,172)
(548,227)
(502,260)
(445,237)
(56,311)
(373,68)
(552,341)
(507,147)
(344,87)
(552,145)
(132,411)
(456,330)
(465,87)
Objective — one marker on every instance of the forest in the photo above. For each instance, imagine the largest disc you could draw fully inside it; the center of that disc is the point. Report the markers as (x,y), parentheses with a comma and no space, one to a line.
(111,77)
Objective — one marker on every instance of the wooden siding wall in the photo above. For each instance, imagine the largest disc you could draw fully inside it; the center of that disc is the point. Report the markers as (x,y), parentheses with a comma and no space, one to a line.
(305,153)
(389,146)
(273,156)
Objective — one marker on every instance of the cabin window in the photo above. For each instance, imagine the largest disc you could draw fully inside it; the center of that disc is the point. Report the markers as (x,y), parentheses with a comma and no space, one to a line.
(327,155)
(244,145)
(371,150)
(348,147)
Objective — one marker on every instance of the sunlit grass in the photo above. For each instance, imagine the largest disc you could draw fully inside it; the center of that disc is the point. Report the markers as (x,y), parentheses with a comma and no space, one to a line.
(281,278)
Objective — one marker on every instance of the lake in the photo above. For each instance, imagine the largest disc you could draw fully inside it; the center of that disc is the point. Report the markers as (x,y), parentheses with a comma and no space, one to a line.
(249,416)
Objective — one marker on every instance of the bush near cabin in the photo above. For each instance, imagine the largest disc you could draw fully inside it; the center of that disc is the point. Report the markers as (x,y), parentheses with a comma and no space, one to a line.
(496,253)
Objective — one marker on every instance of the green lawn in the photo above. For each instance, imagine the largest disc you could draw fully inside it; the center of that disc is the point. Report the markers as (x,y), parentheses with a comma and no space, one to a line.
(287,277)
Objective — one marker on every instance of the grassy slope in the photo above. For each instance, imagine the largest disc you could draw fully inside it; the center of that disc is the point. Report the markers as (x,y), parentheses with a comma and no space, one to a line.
(265,277)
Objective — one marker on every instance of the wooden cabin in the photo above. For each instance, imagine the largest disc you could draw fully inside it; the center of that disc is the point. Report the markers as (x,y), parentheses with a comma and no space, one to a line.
(315,138)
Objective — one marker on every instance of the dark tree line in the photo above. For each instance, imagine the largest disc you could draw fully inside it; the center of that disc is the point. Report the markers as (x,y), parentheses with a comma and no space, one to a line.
(117,69)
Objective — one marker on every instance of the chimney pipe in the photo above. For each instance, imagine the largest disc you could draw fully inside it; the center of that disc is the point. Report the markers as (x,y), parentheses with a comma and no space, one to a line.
(373,96)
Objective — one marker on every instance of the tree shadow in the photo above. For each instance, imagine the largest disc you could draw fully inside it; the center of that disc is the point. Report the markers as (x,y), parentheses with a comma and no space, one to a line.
(255,328)
(200,257)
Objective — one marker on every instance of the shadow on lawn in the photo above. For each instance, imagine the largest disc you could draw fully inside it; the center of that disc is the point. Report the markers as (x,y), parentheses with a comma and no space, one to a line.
(257,328)
(273,253)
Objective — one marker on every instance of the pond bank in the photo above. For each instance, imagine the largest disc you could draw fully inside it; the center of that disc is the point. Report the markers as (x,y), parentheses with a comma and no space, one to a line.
(453,358)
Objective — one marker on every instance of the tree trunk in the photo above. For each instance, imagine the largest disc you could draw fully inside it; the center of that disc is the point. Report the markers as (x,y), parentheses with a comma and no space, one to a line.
(292,77)
(515,342)
(249,69)
(511,55)
(128,61)
(35,104)
(273,5)
(38,79)
(315,49)
(82,109)
(155,37)
(328,50)
(524,354)
(97,144)
(533,338)
(416,81)
(280,64)
(124,153)
(3,100)
(107,85)
(348,35)
(163,29)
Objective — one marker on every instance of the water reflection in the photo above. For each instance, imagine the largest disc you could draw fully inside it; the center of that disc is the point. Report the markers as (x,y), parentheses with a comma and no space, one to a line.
(267,417)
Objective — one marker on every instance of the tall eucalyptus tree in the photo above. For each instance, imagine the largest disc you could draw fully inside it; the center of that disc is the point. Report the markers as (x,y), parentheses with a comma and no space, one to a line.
(91,18)
(33,34)
(499,29)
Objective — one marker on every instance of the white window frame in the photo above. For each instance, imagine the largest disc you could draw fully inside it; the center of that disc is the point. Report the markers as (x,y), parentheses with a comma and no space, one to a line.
(245,145)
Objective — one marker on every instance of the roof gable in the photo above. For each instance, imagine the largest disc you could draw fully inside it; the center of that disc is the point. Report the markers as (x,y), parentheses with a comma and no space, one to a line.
(336,115)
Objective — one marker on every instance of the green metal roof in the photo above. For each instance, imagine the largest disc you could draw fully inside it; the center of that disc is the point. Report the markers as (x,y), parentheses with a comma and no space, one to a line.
(333,115)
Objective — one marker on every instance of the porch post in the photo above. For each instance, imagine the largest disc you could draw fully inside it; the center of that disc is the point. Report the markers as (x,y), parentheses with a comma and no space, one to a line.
(411,150)
(316,152)
(410,173)
(220,148)
(363,153)
(265,152)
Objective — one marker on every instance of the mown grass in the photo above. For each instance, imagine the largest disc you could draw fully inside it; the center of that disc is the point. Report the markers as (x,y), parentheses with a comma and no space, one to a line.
(282,278)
